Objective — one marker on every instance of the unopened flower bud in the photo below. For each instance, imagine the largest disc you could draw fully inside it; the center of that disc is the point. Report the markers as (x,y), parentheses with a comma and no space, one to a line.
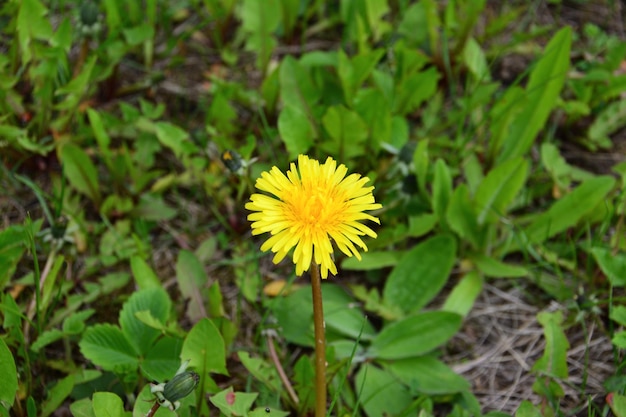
(180,386)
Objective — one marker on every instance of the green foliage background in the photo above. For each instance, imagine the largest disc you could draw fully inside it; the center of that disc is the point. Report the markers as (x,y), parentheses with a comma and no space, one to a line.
(131,134)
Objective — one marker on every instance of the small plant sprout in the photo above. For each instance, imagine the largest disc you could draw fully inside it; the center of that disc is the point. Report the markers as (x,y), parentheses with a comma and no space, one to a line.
(170,393)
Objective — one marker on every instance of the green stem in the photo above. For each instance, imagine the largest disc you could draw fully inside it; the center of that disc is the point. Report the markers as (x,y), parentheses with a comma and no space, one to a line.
(320,342)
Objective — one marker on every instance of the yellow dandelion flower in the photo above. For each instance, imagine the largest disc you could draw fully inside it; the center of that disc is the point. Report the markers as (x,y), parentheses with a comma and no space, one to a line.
(311,207)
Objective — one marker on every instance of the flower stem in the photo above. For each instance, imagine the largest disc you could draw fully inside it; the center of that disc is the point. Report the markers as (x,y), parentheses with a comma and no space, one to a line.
(320,342)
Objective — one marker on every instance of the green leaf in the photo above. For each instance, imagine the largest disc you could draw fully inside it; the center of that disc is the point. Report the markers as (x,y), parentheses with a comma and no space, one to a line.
(491,267)
(153,207)
(617,403)
(554,358)
(56,395)
(610,119)
(296,86)
(342,315)
(173,137)
(347,131)
(570,209)
(263,412)
(139,34)
(421,274)
(380,393)
(527,409)
(142,336)
(106,346)
(543,89)
(80,171)
(75,323)
(204,348)
(82,408)
(462,218)
(233,403)
(163,359)
(415,335)
(12,248)
(31,24)
(618,314)
(294,314)
(371,261)
(499,188)
(295,130)
(191,277)
(45,338)
(613,265)
(108,404)
(261,370)
(8,382)
(145,277)
(464,294)
(442,190)
(427,375)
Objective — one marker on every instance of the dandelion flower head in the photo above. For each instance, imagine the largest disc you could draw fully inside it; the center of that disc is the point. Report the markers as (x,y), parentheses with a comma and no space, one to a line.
(310,207)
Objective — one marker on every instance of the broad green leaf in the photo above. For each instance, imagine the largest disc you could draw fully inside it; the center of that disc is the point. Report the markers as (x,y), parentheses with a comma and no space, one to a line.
(617,403)
(294,315)
(31,24)
(415,90)
(341,314)
(12,247)
(618,314)
(106,346)
(191,277)
(173,137)
(427,375)
(296,86)
(102,137)
(475,60)
(414,335)
(108,404)
(75,323)
(82,408)
(371,261)
(267,412)
(421,274)
(261,370)
(613,265)
(554,358)
(163,359)
(380,393)
(610,119)
(347,131)
(442,190)
(139,34)
(8,382)
(45,338)
(144,276)
(499,188)
(232,403)
(153,207)
(57,395)
(205,350)
(543,89)
(527,409)
(295,130)
(142,336)
(80,171)
(491,267)
(462,218)
(464,294)
(421,162)
(570,209)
